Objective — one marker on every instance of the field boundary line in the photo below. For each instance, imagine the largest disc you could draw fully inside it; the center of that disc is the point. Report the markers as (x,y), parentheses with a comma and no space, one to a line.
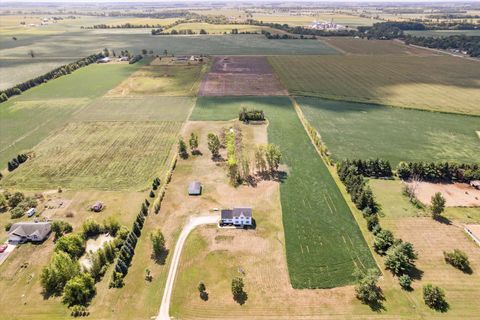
(353,210)
(359,101)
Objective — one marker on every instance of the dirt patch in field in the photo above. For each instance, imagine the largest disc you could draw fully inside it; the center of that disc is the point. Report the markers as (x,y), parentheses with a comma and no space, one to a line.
(241,76)
(455,194)
(92,246)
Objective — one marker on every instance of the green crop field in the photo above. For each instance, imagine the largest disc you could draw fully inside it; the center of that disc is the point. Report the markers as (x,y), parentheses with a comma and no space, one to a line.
(355,130)
(438,83)
(323,240)
(57,49)
(101,155)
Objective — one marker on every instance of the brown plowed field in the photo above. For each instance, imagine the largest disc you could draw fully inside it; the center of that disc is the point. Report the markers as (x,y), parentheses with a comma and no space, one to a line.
(241,76)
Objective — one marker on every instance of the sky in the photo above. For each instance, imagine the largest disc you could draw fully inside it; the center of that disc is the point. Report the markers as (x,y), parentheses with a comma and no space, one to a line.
(246,1)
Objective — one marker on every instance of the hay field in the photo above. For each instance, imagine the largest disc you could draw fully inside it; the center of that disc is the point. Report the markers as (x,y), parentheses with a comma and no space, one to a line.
(323,240)
(99,155)
(373,47)
(355,130)
(161,80)
(437,83)
(137,108)
(30,117)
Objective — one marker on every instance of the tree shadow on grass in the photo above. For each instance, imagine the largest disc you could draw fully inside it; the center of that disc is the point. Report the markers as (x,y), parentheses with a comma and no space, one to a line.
(161,258)
(443,220)
(415,273)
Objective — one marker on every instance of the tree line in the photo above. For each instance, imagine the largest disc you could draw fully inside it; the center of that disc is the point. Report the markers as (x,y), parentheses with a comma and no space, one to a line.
(55,73)
(439,171)
(469,44)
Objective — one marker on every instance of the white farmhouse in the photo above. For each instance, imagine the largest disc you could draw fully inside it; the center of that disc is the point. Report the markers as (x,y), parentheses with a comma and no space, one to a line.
(239,217)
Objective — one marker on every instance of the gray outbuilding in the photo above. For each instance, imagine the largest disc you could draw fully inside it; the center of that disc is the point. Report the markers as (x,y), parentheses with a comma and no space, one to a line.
(195,188)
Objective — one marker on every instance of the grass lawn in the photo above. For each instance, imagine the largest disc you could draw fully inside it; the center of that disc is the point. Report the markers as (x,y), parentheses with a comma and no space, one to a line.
(438,83)
(99,155)
(323,240)
(430,238)
(355,130)
(20,287)
(162,80)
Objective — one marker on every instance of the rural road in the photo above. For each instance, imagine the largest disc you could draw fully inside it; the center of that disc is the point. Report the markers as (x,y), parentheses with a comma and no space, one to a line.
(193,222)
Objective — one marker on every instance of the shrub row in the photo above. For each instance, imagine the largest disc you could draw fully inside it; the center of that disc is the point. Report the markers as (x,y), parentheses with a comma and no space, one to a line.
(55,73)
(251,115)
(17,161)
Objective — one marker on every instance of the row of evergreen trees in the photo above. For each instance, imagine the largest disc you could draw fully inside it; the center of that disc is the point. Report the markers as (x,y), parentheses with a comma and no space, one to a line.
(55,73)
(17,161)
(357,187)
(399,256)
(128,248)
(375,168)
(439,171)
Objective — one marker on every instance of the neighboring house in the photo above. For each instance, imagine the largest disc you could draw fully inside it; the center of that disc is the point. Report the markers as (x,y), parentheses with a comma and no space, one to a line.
(236,216)
(21,232)
(195,188)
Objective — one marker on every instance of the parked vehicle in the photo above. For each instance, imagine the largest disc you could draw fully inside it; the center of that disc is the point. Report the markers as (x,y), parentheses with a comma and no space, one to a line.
(30,212)
(3,247)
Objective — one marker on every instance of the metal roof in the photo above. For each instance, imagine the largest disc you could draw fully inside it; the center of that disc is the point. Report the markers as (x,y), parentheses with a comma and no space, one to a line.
(195,188)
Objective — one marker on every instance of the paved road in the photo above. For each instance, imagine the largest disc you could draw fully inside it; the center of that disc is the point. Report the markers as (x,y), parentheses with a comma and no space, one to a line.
(4,255)
(192,224)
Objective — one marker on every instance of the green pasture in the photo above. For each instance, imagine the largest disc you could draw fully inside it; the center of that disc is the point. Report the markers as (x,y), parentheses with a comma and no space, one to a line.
(323,240)
(442,33)
(355,130)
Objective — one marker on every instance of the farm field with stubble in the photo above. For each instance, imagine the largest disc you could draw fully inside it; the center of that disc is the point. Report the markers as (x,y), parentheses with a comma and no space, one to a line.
(435,83)
(362,131)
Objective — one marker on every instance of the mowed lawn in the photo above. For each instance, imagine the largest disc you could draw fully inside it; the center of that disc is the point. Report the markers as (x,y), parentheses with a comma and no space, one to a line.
(99,155)
(27,119)
(363,131)
(438,83)
(323,241)
(430,239)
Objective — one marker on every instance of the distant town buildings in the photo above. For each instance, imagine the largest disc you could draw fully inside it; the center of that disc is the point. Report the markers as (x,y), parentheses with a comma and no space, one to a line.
(316,25)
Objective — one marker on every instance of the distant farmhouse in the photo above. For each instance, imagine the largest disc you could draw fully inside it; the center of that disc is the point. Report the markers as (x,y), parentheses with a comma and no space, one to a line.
(21,232)
(239,217)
